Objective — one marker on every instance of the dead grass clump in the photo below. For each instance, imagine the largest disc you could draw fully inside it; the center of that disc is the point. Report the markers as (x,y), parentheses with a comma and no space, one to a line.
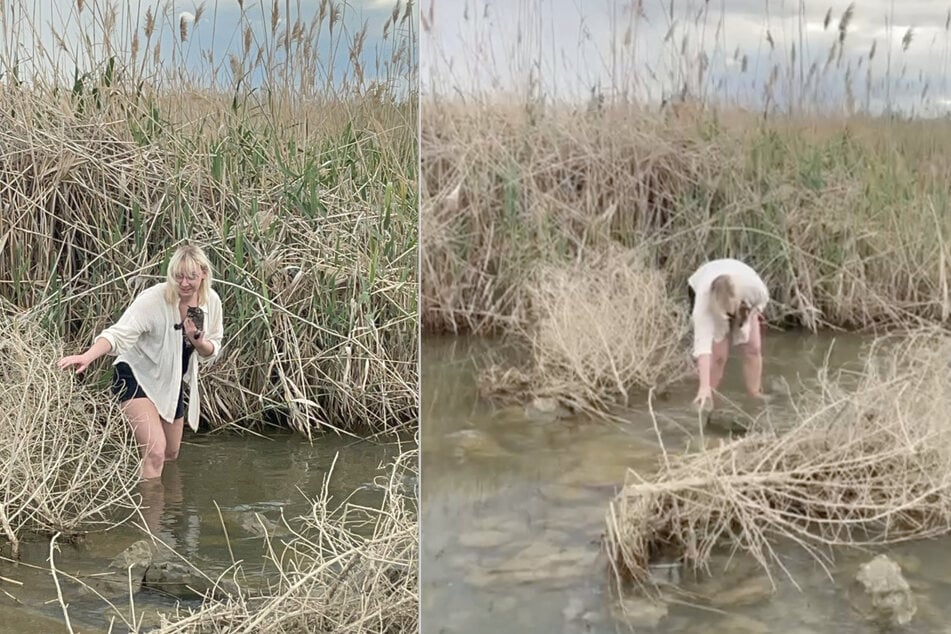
(867,461)
(67,460)
(596,328)
(346,568)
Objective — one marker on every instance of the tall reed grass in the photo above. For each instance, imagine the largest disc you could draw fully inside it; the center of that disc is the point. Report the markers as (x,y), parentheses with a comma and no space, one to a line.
(845,220)
(671,129)
(294,167)
(68,462)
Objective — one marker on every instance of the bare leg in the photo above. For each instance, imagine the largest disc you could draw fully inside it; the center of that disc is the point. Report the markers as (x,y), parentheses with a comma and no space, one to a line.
(173,438)
(753,358)
(153,503)
(147,427)
(720,353)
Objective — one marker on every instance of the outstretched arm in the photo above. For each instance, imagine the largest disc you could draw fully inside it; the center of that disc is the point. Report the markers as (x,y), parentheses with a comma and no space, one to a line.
(704,391)
(82,361)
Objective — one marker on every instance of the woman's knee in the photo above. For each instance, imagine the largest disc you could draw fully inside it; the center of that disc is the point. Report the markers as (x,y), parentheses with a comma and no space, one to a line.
(156,447)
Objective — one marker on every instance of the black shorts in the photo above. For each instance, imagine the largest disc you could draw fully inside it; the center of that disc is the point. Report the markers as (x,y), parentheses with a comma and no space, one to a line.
(125,387)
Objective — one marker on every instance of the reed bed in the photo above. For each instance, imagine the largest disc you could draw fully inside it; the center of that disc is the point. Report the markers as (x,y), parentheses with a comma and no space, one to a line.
(798,151)
(865,461)
(845,221)
(68,462)
(345,568)
(595,329)
(299,179)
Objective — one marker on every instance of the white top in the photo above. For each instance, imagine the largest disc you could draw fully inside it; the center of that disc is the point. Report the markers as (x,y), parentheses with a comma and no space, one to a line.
(709,326)
(146,339)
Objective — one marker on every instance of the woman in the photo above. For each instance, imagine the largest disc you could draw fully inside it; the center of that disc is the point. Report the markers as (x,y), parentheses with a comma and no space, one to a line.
(727,297)
(156,345)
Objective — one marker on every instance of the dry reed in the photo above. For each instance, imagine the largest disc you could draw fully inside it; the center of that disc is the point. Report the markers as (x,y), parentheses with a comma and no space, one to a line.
(865,461)
(300,182)
(596,328)
(346,568)
(847,224)
(68,463)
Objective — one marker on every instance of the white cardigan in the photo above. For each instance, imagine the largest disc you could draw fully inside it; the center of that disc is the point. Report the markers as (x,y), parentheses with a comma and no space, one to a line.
(707,326)
(146,339)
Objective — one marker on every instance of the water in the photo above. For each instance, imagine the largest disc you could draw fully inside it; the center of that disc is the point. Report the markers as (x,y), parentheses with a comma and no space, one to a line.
(241,476)
(514,502)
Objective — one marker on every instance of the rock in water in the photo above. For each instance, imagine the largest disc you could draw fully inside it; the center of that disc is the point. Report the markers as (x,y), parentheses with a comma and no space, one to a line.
(132,563)
(546,408)
(880,592)
(185,582)
(729,422)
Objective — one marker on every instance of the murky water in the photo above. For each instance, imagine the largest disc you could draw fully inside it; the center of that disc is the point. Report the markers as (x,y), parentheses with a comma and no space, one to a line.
(513,507)
(241,476)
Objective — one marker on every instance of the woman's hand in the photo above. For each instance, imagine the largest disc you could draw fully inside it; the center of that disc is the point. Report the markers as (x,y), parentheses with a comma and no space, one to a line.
(704,398)
(81,361)
(191,331)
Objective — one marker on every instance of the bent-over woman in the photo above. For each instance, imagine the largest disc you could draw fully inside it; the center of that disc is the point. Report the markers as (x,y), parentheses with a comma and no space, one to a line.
(727,298)
(158,347)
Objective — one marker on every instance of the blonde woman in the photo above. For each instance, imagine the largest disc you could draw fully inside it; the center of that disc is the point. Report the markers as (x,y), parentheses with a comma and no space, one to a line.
(727,298)
(157,345)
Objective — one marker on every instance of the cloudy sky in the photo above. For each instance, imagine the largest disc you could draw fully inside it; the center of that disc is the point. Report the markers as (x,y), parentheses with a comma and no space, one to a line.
(744,51)
(66,34)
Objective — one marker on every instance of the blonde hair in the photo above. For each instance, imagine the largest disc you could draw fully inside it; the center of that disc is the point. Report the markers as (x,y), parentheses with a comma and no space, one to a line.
(723,295)
(188,257)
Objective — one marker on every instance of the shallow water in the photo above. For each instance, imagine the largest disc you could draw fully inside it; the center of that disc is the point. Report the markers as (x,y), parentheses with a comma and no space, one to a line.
(514,501)
(241,476)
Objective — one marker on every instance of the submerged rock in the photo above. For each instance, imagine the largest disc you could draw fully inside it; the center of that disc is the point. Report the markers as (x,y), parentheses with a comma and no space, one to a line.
(182,581)
(747,592)
(729,422)
(880,593)
(130,566)
(546,408)
(475,443)
(640,613)
(260,526)
(545,562)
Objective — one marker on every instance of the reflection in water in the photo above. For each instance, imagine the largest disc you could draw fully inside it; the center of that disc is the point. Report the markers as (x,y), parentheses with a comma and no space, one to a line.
(164,515)
(514,502)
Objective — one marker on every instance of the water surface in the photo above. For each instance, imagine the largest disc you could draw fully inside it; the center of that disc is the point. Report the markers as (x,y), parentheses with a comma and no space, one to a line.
(514,502)
(206,511)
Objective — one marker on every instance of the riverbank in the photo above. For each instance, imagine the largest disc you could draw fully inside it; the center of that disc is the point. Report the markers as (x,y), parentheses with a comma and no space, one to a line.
(846,219)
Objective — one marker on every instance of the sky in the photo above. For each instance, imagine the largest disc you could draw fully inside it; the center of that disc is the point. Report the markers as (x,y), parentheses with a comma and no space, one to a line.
(45,34)
(726,50)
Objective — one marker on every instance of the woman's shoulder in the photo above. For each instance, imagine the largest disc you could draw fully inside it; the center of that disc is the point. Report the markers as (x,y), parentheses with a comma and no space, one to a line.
(155,291)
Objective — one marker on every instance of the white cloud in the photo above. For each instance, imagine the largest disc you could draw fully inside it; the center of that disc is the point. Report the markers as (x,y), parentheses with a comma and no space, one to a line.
(568,46)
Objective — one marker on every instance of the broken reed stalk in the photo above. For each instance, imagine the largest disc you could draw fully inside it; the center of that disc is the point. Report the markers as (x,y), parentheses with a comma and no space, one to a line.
(865,461)
(346,568)
(68,462)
